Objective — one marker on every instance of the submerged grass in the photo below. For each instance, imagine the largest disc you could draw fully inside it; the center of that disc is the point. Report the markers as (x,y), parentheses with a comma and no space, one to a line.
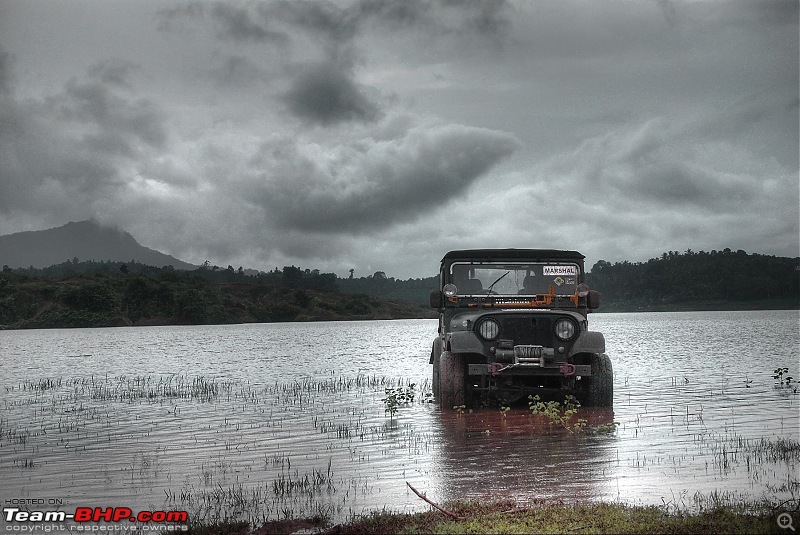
(541,517)
(244,444)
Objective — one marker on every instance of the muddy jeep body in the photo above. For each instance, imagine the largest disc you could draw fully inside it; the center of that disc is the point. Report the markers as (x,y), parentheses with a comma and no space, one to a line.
(512,323)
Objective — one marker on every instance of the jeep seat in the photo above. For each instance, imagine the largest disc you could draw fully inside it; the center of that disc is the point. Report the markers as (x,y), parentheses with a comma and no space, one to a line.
(527,285)
(471,287)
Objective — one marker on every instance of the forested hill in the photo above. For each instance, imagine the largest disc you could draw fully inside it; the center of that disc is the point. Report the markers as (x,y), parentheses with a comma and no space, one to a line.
(698,280)
(87,240)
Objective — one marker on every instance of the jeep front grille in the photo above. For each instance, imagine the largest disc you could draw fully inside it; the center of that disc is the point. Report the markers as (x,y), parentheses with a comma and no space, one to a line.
(527,330)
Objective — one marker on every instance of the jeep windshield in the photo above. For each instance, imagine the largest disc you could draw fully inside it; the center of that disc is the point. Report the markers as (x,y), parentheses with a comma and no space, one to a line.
(473,279)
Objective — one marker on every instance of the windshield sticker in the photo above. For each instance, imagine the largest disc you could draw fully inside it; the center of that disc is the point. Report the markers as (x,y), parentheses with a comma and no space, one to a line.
(570,280)
(559,281)
(560,270)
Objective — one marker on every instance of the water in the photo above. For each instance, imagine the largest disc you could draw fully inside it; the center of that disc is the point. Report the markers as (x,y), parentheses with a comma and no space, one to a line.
(269,420)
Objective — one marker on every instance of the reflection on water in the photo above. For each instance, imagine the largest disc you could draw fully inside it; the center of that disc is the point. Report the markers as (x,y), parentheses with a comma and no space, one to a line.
(275,419)
(520,456)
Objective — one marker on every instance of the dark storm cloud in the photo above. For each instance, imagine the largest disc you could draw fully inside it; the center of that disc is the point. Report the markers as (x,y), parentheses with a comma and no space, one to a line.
(96,105)
(327,92)
(61,153)
(487,17)
(262,21)
(370,186)
(324,94)
(239,73)
(695,182)
(340,24)
(668,10)
(323,19)
(764,121)
(178,19)
(662,164)
(244,23)
(646,126)
(676,185)
(271,22)
(45,170)
(113,72)
(5,73)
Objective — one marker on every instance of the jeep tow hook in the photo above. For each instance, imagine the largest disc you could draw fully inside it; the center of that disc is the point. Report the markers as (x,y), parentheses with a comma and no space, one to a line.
(567,369)
(496,367)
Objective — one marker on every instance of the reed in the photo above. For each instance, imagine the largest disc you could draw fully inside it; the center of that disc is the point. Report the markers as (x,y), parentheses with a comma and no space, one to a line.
(237,441)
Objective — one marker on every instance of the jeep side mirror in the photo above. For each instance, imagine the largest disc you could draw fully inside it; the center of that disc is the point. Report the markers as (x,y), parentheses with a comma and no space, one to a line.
(437,299)
(593,299)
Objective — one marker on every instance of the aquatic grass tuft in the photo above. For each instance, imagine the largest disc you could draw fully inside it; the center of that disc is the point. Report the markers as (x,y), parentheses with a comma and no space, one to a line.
(782,376)
(308,483)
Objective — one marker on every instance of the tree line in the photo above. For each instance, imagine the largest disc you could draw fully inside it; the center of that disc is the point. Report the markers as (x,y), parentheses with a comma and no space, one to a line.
(377,285)
(92,293)
(727,278)
(288,277)
(134,294)
(717,279)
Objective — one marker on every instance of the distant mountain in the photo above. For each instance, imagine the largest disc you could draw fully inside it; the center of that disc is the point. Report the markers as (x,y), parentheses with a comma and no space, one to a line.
(86,240)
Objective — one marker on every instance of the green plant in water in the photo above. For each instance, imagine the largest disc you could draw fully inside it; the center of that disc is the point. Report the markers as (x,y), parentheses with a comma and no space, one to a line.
(604,429)
(558,413)
(397,397)
(579,425)
(503,410)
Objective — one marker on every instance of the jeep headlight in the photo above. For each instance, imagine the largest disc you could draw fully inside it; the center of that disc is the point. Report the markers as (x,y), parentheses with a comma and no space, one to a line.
(449,290)
(489,329)
(564,329)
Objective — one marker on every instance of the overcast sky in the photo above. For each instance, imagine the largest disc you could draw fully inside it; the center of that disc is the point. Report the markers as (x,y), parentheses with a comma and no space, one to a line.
(377,135)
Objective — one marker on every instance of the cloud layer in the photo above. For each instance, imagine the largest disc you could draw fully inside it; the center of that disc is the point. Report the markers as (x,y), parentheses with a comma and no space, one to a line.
(377,135)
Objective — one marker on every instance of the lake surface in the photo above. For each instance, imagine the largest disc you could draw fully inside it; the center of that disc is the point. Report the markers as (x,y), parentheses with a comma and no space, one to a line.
(271,420)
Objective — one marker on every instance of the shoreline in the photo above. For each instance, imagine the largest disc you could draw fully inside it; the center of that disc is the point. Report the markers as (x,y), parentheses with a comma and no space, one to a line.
(544,516)
(398,311)
(720,305)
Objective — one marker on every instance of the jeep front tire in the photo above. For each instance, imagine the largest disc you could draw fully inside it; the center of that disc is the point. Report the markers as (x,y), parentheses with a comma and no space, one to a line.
(598,390)
(450,380)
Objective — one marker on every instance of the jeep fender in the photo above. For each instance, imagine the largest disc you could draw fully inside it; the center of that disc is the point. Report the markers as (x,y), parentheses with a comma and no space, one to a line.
(589,342)
(465,342)
(436,349)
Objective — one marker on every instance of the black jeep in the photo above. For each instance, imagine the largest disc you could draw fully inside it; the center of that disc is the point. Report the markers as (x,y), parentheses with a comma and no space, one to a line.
(512,323)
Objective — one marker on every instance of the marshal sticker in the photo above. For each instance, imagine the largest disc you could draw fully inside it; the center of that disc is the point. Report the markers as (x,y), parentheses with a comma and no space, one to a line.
(556,271)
